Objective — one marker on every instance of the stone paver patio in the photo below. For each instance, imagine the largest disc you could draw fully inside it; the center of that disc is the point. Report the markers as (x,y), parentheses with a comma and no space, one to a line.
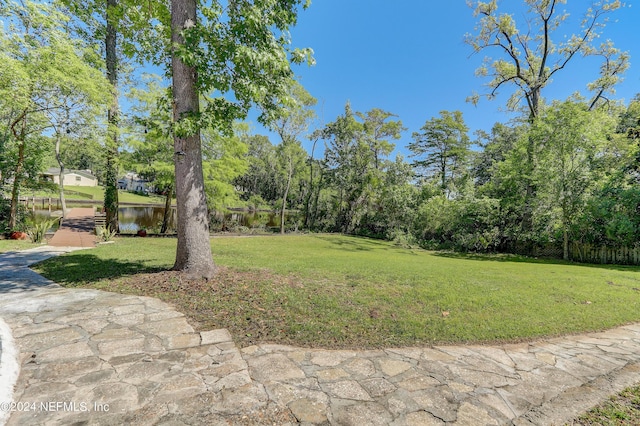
(93,357)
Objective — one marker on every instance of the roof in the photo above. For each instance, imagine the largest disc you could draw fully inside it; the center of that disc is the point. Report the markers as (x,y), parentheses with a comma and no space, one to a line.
(54,171)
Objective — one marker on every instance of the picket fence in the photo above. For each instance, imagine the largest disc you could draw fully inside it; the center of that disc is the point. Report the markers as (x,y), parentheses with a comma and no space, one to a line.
(584,253)
(592,254)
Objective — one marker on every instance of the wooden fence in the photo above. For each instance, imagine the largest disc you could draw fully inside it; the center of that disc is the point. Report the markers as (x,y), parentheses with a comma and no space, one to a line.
(584,253)
(618,256)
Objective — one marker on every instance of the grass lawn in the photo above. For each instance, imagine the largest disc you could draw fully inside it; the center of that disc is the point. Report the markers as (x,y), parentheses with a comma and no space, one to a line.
(620,410)
(345,292)
(15,245)
(97,194)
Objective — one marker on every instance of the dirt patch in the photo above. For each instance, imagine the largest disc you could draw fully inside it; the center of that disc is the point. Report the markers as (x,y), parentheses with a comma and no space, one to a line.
(252,305)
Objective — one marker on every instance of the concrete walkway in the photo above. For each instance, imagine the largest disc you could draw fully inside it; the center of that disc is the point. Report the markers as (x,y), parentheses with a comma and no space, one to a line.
(93,357)
(77,229)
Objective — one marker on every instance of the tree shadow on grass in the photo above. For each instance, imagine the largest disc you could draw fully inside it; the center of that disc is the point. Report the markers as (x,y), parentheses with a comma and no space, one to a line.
(357,243)
(514,258)
(82,268)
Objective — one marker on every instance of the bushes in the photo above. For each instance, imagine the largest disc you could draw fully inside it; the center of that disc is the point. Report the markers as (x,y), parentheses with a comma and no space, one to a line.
(38,227)
(5,210)
(611,218)
(468,224)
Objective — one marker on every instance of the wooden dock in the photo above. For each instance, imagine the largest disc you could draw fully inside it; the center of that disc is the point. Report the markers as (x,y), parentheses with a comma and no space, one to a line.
(76,230)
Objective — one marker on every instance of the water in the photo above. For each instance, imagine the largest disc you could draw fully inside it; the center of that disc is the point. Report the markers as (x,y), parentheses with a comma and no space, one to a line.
(134,218)
(131,218)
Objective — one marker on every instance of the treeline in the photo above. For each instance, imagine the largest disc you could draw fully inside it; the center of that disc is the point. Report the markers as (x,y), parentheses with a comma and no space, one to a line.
(570,175)
(565,172)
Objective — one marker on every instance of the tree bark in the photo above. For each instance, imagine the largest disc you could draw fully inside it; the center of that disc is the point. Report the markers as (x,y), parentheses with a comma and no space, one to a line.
(307,212)
(193,254)
(530,188)
(565,243)
(314,213)
(17,179)
(63,203)
(285,195)
(111,176)
(167,210)
(17,176)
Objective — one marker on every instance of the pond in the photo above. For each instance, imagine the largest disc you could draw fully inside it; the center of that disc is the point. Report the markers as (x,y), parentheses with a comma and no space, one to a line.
(134,218)
(131,218)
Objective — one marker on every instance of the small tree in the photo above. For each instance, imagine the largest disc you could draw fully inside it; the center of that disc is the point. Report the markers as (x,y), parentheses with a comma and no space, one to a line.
(290,122)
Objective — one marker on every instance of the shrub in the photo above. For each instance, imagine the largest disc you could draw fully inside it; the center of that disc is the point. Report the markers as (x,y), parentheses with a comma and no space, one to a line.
(105,233)
(5,210)
(469,224)
(38,227)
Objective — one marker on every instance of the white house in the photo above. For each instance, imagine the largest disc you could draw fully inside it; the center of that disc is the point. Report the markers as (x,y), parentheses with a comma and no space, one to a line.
(72,177)
(133,182)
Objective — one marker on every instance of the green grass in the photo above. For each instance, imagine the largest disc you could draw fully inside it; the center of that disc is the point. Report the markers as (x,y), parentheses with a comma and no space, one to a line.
(96,193)
(15,245)
(337,291)
(620,410)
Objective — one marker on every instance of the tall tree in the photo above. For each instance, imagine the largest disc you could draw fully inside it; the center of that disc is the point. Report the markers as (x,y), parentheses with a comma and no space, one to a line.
(242,50)
(150,139)
(355,154)
(104,22)
(441,149)
(532,53)
(193,253)
(113,142)
(56,83)
(290,122)
(574,140)
(530,56)
(378,129)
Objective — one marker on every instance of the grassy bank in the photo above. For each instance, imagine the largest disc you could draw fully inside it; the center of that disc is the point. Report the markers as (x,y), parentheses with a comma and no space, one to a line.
(337,291)
(96,193)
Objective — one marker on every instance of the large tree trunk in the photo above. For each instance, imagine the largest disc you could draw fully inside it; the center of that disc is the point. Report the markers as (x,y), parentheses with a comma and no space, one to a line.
(63,202)
(194,249)
(111,176)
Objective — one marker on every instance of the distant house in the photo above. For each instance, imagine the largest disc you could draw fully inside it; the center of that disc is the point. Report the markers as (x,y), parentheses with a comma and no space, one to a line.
(133,182)
(71,177)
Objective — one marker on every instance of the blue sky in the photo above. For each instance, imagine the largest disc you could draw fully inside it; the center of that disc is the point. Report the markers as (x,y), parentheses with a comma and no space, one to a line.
(409,57)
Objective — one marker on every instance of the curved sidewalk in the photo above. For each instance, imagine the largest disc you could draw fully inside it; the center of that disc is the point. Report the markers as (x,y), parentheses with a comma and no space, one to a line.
(105,358)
